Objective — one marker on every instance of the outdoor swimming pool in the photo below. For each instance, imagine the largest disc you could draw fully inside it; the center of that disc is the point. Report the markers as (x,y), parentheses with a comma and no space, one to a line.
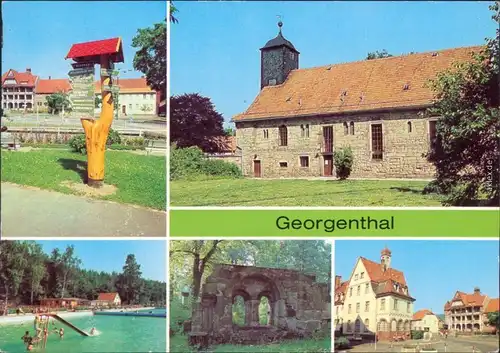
(115,334)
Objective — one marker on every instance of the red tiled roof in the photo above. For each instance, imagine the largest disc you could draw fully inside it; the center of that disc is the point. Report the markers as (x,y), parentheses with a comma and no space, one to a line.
(225,143)
(355,86)
(474,299)
(377,274)
(129,85)
(109,297)
(419,315)
(20,77)
(342,289)
(96,48)
(53,86)
(493,306)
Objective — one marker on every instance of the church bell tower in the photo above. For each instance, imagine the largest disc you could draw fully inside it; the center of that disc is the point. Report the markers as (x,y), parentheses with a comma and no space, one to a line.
(277,58)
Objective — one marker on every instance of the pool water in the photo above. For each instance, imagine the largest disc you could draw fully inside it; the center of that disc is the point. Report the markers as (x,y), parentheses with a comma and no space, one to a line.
(114,334)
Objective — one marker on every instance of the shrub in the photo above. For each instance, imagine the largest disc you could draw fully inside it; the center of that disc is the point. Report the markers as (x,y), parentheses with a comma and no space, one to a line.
(342,342)
(185,161)
(417,335)
(77,144)
(113,138)
(191,162)
(154,135)
(220,168)
(135,141)
(343,159)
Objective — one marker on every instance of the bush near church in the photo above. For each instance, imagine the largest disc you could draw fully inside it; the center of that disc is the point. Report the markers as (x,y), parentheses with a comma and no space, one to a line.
(343,159)
(191,162)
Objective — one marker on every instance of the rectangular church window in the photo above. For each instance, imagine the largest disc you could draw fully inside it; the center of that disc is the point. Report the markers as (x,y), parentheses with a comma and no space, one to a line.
(377,142)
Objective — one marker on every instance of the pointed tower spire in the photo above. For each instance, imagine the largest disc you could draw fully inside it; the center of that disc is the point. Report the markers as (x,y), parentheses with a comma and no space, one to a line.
(278,58)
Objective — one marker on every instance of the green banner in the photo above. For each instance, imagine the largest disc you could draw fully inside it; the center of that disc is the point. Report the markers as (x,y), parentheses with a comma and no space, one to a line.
(335,223)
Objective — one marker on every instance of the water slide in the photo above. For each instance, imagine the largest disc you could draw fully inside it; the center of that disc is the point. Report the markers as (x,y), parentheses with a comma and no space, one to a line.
(67,323)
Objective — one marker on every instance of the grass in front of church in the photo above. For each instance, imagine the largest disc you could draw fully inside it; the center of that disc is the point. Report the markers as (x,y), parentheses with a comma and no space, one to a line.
(260,192)
(139,179)
(178,344)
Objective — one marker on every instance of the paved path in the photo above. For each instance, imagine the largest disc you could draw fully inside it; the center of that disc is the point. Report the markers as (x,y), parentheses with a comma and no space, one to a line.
(30,212)
(449,345)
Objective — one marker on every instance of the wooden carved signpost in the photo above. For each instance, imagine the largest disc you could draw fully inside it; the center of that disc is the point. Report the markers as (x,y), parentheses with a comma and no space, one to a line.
(86,55)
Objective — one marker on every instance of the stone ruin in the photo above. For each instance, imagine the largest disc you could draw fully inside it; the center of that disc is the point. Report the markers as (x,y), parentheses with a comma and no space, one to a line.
(298,306)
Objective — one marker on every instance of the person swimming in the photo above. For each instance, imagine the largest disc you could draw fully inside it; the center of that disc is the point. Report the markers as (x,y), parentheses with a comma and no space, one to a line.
(61,333)
(26,338)
(92,331)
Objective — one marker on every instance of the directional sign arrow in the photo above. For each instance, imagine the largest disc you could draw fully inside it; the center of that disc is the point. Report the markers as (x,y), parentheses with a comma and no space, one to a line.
(109,72)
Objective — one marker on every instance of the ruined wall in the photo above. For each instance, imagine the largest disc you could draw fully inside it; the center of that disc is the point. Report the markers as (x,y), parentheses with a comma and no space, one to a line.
(298,305)
(402,156)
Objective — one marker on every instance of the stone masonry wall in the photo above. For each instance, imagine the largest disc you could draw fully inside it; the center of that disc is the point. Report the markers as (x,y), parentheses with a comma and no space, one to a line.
(402,157)
(298,304)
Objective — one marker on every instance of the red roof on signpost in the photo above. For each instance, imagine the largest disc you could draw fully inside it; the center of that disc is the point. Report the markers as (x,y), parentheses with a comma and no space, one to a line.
(91,51)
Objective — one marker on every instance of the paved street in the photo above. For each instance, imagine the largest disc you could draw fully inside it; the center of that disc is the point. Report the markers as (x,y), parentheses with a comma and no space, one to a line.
(452,345)
(31,212)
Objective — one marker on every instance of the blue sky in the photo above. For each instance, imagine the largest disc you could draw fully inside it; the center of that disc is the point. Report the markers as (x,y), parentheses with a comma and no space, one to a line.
(39,34)
(215,45)
(434,270)
(110,256)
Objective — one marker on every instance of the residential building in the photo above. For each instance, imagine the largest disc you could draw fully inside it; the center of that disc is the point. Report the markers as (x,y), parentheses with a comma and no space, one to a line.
(107,299)
(18,90)
(375,300)
(425,320)
(46,87)
(70,303)
(135,97)
(301,117)
(468,312)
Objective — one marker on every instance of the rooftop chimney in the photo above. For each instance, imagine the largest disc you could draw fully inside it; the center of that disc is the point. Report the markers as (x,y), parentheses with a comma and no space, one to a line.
(50,77)
(477,290)
(28,69)
(338,280)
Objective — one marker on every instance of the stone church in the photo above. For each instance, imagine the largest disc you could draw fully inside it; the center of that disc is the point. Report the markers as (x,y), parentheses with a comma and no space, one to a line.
(301,116)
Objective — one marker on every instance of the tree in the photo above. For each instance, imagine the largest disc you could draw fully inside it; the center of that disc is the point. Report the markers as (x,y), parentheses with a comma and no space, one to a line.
(494,320)
(151,56)
(130,280)
(13,262)
(173,11)
(466,152)
(57,102)
(97,101)
(202,252)
(194,122)
(67,265)
(36,270)
(229,131)
(378,55)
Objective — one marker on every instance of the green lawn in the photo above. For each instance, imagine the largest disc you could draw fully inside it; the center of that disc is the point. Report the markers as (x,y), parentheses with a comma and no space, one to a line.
(140,179)
(178,344)
(255,192)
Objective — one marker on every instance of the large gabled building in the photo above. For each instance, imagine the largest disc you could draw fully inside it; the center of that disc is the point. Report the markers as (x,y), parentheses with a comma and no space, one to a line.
(374,301)
(468,312)
(18,90)
(301,116)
